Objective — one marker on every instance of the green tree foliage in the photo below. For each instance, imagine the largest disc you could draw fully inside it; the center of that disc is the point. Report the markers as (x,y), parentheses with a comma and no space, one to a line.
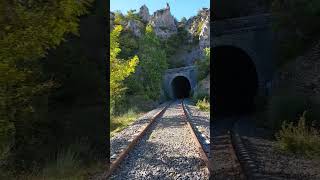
(199,29)
(129,44)
(204,65)
(119,68)
(153,63)
(27,30)
(174,42)
(132,15)
(299,20)
(119,18)
(183,20)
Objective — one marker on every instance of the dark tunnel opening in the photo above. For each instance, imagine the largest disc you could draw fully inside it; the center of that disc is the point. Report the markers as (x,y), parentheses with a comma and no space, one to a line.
(181,87)
(235,81)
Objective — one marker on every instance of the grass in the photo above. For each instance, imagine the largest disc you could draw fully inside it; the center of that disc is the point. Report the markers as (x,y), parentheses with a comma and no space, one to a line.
(203,105)
(66,165)
(120,122)
(299,138)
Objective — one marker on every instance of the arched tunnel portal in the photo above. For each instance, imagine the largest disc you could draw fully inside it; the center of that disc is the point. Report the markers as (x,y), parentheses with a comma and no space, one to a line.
(235,81)
(181,87)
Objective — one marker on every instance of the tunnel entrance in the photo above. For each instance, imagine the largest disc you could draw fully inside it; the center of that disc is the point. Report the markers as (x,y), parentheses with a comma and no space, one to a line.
(181,87)
(235,81)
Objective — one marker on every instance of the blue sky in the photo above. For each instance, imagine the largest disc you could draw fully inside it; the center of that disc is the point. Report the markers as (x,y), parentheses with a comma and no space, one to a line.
(179,8)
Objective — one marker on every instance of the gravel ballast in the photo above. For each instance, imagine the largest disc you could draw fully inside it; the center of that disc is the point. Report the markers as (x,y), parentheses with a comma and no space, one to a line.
(222,157)
(123,138)
(271,162)
(201,122)
(167,151)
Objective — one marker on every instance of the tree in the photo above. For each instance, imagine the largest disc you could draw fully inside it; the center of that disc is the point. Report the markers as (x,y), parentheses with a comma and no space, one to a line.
(120,69)
(28,29)
(204,65)
(132,15)
(153,63)
(119,18)
(183,20)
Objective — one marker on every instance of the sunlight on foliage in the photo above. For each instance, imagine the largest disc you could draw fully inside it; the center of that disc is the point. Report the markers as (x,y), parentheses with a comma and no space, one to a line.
(119,69)
(300,138)
(118,123)
(203,105)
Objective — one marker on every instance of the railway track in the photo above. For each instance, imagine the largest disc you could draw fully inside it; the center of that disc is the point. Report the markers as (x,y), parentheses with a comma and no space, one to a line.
(186,149)
(230,159)
(226,159)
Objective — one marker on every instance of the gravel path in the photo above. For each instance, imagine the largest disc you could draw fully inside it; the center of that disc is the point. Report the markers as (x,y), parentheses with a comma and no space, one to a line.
(123,138)
(272,163)
(166,152)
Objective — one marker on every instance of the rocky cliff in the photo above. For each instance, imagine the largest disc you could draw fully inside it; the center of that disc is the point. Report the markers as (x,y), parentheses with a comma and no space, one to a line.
(165,25)
(144,13)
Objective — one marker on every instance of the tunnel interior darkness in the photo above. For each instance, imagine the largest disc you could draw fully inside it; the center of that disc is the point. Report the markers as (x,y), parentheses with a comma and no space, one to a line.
(181,87)
(235,81)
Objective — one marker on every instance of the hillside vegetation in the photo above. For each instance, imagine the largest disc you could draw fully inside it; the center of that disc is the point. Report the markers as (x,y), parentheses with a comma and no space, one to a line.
(160,42)
(292,110)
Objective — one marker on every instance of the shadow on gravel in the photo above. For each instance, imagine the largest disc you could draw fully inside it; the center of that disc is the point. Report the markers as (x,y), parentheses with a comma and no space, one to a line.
(154,161)
(158,159)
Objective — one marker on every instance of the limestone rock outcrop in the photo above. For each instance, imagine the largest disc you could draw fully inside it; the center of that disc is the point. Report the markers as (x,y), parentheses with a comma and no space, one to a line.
(198,28)
(204,36)
(135,27)
(144,13)
(164,23)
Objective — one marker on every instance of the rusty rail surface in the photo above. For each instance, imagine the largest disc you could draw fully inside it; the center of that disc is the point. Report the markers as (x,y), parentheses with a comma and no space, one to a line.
(132,144)
(237,167)
(201,150)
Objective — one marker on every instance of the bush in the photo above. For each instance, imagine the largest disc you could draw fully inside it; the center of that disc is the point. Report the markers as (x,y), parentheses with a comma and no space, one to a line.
(176,64)
(299,139)
(203,105)
(200,94)
(66,163)
(203,66)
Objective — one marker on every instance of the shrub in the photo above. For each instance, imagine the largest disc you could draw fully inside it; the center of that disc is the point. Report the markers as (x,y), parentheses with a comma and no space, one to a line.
(199,29)
(203,105)
(299,139)
(66,164)
(199,95)
(203,66)
(176,64)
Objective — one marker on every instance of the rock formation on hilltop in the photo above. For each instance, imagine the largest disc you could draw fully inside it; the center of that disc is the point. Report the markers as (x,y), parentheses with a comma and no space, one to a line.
(165,26)
(164,23)
(135,27)
(144,13)
(204,36)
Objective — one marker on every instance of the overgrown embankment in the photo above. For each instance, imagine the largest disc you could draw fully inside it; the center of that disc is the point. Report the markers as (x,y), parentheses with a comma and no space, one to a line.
(292,110)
